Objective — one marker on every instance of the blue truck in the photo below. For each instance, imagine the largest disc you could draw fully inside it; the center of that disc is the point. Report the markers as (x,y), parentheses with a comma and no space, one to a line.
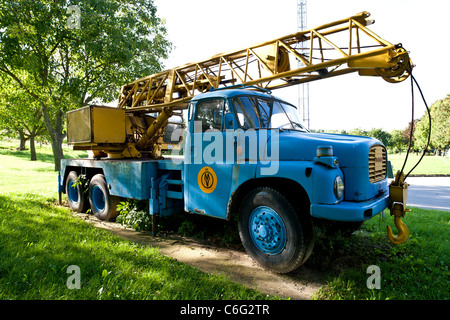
(276,177)
(242,152)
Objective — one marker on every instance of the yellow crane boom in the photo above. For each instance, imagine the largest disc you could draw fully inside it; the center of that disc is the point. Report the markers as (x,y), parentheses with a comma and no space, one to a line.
(335,48)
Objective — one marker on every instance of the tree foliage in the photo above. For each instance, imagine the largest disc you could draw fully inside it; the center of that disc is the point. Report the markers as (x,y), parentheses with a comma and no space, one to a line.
(20,115)
(69,67)
(440,125)
(398,141)
(381,135)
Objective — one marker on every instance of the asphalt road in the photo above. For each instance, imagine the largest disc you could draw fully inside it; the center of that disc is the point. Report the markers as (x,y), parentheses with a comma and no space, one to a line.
(429,192)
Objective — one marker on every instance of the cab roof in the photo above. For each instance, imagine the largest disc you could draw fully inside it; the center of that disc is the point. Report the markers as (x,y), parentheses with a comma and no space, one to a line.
(233,92)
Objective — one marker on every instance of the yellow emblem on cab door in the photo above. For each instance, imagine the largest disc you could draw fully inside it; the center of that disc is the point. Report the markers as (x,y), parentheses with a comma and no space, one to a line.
(207,180)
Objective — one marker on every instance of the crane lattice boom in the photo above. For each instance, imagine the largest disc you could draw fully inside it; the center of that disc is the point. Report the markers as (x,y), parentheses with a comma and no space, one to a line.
(336,48)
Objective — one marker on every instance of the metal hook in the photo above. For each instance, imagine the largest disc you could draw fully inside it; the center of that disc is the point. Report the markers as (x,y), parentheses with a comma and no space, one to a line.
(403,231)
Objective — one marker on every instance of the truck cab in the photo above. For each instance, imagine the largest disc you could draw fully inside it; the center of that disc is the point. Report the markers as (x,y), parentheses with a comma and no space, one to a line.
(242,135)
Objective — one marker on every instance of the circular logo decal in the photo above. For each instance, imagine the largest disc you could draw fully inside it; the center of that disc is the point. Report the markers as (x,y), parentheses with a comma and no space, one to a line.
(207,180)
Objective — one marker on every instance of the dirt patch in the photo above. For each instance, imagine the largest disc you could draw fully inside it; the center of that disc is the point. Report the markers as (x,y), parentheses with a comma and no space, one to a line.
(234,264)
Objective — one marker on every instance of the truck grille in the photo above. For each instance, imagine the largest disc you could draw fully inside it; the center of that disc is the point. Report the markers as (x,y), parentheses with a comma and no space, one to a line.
(377,163)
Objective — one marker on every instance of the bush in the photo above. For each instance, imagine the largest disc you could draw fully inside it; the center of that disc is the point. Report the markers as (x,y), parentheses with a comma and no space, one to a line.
(133,215)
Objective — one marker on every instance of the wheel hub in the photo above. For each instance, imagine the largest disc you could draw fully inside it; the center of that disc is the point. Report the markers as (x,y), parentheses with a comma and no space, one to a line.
(267,230)
(72,192)
(98,199)
(263,231)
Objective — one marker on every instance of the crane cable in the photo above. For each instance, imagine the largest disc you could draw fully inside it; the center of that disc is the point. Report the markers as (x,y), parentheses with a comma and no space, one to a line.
(414,81)
(398,188)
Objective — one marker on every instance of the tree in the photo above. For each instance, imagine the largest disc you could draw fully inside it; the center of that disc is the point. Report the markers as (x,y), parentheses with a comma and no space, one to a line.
(421,133)
(440,118)
(76,53)
(20,115)
(358,132)
(407,132)
(380,134)
(440,125)
(398,141)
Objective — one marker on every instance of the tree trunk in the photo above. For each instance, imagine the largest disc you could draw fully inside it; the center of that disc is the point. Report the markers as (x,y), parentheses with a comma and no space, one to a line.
(56,134)
(32,148)
(23,140)
(57,149)
(38,130)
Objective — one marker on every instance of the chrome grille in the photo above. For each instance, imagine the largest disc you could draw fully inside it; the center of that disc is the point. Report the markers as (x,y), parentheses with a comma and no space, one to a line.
(377,163)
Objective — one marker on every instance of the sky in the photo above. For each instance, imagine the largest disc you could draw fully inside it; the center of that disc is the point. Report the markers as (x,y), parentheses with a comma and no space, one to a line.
(199,29)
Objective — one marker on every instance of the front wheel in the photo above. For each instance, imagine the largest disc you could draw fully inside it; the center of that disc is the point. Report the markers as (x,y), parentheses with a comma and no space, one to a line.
(272,232)
(103,205)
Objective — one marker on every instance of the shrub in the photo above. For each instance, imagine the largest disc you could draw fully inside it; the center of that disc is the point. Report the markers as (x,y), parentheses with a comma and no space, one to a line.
(133,215)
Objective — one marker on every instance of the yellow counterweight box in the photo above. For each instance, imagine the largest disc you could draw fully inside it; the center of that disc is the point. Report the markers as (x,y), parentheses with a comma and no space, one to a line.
(96,125)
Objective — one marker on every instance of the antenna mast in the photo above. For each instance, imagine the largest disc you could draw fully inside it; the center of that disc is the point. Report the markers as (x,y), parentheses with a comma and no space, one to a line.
(303,89)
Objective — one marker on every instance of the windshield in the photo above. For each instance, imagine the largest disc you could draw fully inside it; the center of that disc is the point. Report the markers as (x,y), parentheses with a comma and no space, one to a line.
(260,113)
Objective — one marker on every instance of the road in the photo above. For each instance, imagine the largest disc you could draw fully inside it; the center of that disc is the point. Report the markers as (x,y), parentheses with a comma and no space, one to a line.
(429,192)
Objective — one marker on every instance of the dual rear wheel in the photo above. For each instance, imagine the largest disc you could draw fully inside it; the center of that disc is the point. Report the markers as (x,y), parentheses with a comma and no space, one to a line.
(96,197)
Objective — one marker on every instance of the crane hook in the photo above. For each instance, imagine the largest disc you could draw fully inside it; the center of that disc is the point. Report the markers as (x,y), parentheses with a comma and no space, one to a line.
(398,191)
(403,231)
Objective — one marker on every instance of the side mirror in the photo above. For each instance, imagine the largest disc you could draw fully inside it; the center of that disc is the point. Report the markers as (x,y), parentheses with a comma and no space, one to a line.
(229,120)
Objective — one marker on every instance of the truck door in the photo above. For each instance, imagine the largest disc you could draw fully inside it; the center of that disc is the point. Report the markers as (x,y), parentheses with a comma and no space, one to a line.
(210,159)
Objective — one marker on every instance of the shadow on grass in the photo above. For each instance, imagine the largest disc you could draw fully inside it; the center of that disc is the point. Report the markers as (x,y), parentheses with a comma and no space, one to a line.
(44,155)
(39,241)
(25,154)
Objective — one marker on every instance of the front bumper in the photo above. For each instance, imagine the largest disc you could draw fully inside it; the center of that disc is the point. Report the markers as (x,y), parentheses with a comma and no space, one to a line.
(351,211)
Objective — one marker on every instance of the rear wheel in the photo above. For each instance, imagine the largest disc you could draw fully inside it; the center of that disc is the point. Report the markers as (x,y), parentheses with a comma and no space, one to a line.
(103,205)
(272,232)
(76,197)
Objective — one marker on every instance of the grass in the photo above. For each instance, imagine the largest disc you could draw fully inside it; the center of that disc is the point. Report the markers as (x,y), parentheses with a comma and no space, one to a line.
(430,165)
(416,270)
(19,174)
(40,240)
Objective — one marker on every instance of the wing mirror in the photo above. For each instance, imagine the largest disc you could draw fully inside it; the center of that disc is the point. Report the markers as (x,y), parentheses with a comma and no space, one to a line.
(229,120)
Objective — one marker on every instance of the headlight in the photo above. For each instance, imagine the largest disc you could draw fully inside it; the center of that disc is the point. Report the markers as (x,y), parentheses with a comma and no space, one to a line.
(339,187)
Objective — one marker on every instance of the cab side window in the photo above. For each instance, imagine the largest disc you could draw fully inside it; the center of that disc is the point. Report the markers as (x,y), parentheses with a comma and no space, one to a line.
(246,112)
(210,114)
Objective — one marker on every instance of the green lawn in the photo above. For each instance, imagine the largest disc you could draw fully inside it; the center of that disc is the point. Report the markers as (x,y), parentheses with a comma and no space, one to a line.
(416,270)
(19,174)
(430,165)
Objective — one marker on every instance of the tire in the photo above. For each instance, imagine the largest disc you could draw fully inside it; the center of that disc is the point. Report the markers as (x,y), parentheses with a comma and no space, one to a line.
(273,233)
(76,197)
(103,205)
